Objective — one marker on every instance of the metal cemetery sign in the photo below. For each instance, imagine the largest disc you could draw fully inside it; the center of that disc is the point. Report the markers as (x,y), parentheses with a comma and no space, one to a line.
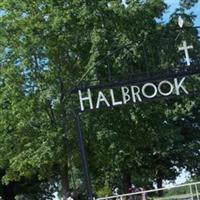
(133,91)
(179,81)
(132,94)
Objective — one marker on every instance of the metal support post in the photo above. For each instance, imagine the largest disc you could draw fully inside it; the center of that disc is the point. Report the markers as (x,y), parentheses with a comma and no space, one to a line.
(197,193)
(191,192)
(83,156)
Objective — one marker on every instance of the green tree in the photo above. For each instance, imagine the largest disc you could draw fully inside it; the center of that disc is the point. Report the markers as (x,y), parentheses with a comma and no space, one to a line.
(49,47)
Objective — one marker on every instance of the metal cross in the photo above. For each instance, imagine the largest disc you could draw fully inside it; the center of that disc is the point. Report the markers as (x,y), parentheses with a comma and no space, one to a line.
(185,49)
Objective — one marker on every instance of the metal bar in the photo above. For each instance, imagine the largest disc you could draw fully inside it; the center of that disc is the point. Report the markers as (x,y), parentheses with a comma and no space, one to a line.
(149,191)
(181,73)
(186,27)
(197,192)
(83,156)
(191,192)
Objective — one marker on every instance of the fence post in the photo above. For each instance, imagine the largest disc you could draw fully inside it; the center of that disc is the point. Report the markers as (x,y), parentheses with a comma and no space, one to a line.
(197,192)
(83,156)
(144,196)
(191,192)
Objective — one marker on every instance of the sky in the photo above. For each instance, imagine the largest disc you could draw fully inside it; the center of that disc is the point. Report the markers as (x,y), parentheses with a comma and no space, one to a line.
(173,4)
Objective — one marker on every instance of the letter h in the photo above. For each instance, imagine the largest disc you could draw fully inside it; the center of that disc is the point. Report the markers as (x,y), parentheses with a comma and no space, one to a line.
(87,98)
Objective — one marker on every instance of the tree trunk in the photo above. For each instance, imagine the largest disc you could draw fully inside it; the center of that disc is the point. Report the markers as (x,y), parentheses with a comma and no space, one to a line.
(64,183)
(64,169)
(126,180)
(8,192)
(159,185)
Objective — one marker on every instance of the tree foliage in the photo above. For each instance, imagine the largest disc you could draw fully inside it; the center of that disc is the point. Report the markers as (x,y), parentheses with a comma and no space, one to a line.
(49,47)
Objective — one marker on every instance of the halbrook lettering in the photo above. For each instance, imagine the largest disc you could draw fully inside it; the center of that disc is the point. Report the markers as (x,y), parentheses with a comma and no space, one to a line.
(131,94)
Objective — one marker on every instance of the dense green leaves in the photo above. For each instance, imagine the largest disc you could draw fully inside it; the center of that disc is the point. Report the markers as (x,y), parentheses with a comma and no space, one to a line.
(49,47)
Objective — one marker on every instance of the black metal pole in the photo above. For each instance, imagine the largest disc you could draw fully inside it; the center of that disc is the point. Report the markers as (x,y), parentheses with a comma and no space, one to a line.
(83,156)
